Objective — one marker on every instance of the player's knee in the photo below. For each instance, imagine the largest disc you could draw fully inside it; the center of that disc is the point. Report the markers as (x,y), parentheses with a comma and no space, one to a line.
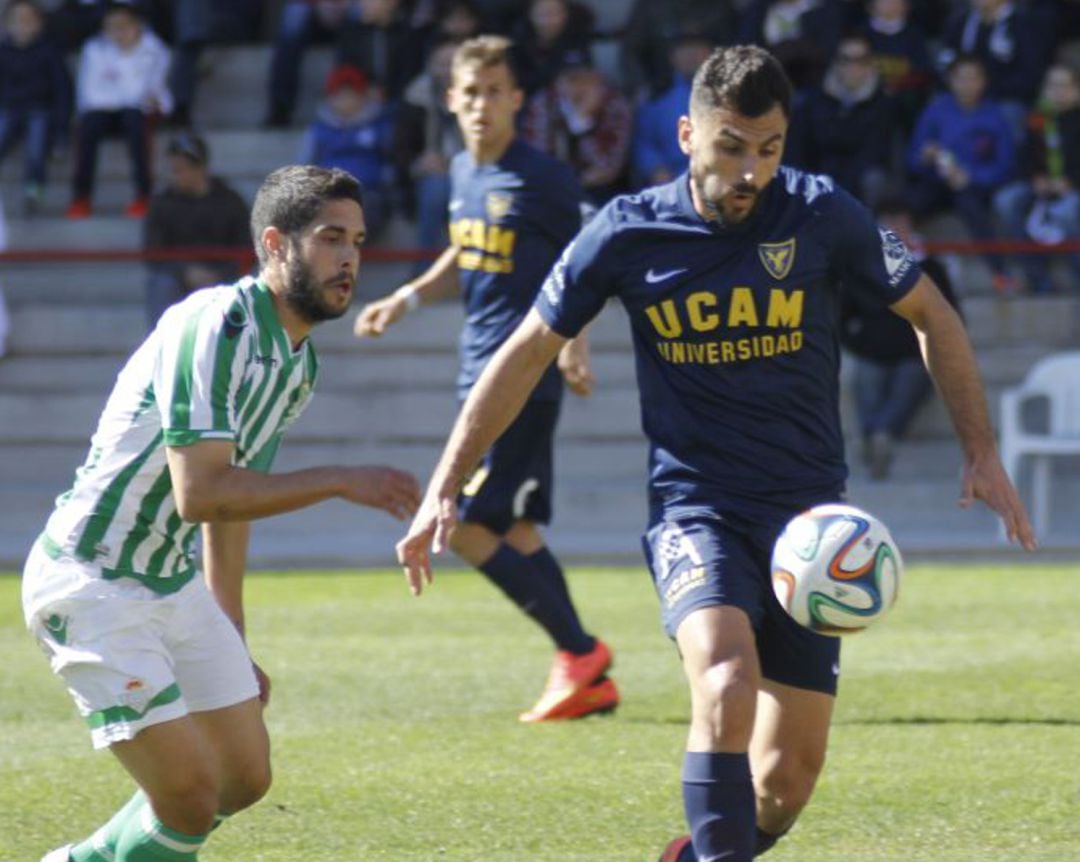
(247,788)
(188,801)
(725,699)
(785,788)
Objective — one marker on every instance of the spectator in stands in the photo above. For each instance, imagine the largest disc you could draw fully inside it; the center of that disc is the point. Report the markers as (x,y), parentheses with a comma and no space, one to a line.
(549,32)
(801,34)
(195,210)
(1044,203)
(846,126)
(657,156)
(196,23)
(120,84)
(1005,37)
(902,55)
(652,27)
(428,129)
(354,131)
(383,43)
(302,22)
(35,94)
(890,381)
(961,152)
(583,119)
(453,21)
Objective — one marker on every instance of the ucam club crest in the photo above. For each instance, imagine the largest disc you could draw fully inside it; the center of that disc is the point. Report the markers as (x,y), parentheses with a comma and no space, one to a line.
(777,257)
(498,205)
(898,259)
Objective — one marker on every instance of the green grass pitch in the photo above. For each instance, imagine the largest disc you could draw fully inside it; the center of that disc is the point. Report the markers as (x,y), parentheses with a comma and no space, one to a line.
(957,733)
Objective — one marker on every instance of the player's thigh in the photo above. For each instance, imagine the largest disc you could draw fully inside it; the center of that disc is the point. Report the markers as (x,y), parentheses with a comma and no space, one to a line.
(175,764)
(514,480)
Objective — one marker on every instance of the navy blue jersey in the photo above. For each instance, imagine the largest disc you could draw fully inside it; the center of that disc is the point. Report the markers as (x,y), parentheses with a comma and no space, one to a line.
(735,333)
(511,219)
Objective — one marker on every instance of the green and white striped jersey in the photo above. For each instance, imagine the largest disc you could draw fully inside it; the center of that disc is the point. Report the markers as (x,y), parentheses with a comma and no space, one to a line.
(218,366)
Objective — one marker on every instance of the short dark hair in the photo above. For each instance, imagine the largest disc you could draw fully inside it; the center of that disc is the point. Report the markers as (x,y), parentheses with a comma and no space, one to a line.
(186,143)
(744,78)
(291,197)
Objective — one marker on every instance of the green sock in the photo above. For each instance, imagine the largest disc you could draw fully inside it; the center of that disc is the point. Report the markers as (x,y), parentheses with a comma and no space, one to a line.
(101,846)
(147,839)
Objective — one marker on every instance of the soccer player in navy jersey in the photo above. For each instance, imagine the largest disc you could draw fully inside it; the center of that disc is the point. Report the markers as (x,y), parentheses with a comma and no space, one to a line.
(512,211)
(730,277)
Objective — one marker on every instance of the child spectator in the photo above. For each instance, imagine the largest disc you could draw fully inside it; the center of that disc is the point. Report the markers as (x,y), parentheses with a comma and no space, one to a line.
(194,210)
(1005,37)
(354,130)
(382,43)
(1044,203)
(845,127)
(962,151)
(119,86)
(890,381)
(652,27)
(902,56)
(657,156)
(35,96)
(583,119)
(301,22)
(550,31)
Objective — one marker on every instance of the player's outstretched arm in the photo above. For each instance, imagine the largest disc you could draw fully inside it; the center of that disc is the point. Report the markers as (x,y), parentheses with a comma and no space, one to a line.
(439,281)
(225,549)
(951,362)
(209,488)
(493,403)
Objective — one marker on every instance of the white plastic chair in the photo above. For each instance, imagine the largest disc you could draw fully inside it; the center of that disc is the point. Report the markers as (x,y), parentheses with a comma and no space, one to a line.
(1056,379)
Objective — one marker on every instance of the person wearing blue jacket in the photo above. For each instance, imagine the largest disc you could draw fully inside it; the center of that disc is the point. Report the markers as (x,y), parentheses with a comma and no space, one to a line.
(354,131)
(961,152)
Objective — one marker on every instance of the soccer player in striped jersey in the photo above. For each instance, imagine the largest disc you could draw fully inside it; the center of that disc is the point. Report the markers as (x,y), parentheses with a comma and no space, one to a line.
(731,276)
(512,210)
(154,654)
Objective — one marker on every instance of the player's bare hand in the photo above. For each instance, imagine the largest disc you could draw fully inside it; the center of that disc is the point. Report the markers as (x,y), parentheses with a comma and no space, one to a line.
(393,491)
(576,368)
(985,479)
(373,319)
(264,684)
(429,533)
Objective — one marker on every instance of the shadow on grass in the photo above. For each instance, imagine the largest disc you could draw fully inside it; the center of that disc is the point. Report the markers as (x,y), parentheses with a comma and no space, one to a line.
(932,720)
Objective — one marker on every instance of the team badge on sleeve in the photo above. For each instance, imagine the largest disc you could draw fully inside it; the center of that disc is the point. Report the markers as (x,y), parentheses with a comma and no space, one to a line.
(777,257)
(898,259)
(498,205)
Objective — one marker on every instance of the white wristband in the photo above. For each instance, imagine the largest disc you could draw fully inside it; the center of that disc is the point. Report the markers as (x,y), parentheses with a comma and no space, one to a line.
(412,299)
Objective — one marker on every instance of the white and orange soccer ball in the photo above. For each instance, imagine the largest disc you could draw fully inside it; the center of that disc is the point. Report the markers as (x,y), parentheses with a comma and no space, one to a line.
(836,569)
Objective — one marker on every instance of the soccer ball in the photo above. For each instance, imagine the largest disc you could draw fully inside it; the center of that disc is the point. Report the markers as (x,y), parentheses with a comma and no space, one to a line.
(836,569)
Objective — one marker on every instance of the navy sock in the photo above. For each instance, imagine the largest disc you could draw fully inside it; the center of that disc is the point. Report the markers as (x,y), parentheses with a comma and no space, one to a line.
(552,572)
(718,795)
(530,587)
(765,841)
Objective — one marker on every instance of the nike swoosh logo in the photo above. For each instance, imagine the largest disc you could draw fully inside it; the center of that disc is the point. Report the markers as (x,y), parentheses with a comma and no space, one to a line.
(653,277)
(456,204)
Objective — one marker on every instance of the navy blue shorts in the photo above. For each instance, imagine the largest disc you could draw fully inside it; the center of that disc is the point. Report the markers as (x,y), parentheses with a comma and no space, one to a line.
(514,481)
(704,561)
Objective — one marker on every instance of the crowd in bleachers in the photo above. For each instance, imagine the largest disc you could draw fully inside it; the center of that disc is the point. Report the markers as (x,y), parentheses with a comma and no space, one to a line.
(968,106)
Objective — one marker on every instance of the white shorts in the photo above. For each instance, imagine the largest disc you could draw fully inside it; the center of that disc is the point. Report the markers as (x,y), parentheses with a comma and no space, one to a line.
(130,657)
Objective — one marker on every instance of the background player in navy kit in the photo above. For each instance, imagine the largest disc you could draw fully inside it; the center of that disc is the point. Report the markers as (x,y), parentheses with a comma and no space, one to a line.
(512,210)
(730,276)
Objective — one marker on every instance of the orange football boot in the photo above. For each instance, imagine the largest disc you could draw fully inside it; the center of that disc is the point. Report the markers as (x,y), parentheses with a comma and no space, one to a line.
(679,850)
(572,675)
